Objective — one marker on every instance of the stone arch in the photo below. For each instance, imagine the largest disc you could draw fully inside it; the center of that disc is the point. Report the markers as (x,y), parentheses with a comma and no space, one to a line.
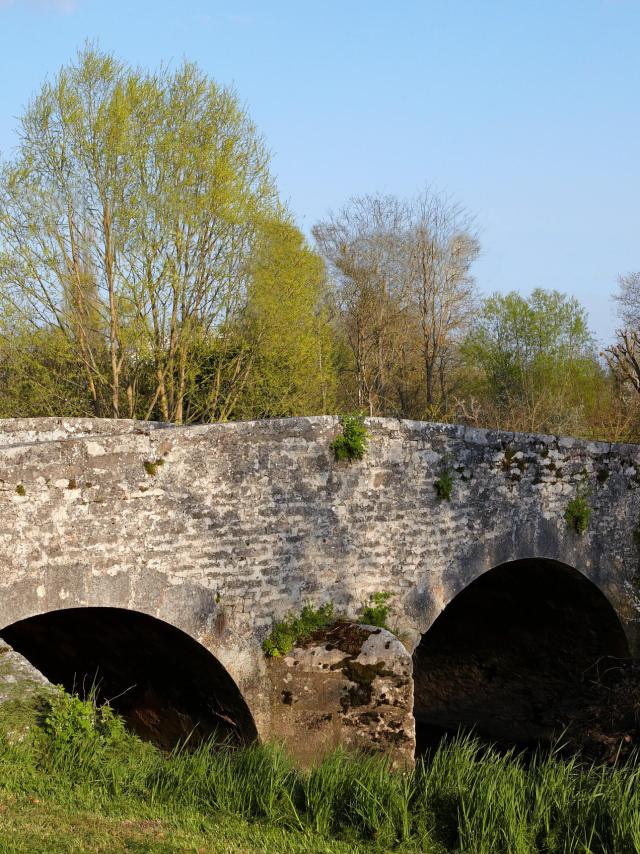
(167,686)
(507,655)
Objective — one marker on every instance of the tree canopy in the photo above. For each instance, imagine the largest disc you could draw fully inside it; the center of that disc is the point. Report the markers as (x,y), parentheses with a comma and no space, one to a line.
(149,269)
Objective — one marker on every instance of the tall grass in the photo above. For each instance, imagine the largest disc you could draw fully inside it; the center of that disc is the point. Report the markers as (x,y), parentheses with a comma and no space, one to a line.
(465,798)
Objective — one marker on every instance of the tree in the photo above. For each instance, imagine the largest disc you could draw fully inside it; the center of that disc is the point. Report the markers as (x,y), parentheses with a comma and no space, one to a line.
(534,362)
(286,329)
(364,248)
(443,246)
(127,221)
(404,293)
(623,357)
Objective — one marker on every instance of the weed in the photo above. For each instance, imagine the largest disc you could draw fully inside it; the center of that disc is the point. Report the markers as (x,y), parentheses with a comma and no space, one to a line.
(376,611)
(70,720)
(352,443)
(151,466)
(293,630)
(509,454)
(578,512)
(444,485)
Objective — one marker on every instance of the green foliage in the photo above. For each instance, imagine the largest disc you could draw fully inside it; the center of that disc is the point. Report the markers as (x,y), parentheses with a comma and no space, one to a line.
(443,485)
(352,443)
(151,466)
(533,363)
(376,611)
(578,512)
(286,329)
(69,720)
(465,798)
(21,490)
(293,630)
(144,322)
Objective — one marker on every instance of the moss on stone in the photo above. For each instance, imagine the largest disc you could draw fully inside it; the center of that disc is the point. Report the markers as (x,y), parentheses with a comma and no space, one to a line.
(151,466)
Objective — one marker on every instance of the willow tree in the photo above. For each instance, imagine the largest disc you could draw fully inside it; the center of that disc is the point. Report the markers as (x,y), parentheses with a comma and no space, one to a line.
(127,221)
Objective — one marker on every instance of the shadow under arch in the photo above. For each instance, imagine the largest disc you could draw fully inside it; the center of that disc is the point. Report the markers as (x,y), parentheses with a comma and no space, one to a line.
(166,685)
(508,655)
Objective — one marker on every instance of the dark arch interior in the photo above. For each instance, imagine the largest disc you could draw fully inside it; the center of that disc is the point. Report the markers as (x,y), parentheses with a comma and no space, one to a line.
(166,685)
(509,657)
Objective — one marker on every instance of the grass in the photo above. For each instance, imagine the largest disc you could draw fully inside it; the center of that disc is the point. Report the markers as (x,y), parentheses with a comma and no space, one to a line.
(111,792)
(30,826)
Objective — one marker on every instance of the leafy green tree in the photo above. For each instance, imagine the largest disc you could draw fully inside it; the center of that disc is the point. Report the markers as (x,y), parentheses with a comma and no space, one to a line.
(127,221)
(532,362)
(287,329)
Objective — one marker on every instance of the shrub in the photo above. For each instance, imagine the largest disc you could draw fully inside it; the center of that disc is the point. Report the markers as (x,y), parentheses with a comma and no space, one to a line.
(296,630)
(352,443)
(69,720)
(443,485)
(376,611)
(578,512)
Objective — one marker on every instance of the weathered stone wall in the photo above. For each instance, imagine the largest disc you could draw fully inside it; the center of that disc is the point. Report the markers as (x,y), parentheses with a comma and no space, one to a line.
(222,529)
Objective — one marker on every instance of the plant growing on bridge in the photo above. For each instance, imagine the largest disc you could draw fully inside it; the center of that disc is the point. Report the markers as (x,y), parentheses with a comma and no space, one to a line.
(376,611)
(352,443)
(151,466)
(443,485)
(578,512)
(293,630)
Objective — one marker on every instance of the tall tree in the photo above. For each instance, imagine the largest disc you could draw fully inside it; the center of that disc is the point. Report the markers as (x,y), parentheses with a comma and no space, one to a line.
(405,294)
(443,246)
(286,327)
(364,248)
(127,221)
(623,357)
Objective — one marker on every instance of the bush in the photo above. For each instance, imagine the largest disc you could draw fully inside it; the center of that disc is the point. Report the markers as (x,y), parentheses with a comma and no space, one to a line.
(443,485)
(376,611)
(352,444)
(293,631)
(578,512)
(68,720)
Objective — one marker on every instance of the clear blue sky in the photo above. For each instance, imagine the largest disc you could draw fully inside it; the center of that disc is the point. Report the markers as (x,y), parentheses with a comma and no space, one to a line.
(527,111)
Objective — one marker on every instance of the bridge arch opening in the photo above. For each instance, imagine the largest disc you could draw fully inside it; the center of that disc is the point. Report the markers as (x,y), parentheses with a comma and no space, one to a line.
(165,684)
(509,656)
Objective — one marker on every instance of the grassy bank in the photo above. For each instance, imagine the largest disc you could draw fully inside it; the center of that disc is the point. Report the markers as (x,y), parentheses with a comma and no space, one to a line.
(83,784)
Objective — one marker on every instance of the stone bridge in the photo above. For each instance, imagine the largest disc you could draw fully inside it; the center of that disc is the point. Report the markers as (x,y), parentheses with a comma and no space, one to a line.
(155,559)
